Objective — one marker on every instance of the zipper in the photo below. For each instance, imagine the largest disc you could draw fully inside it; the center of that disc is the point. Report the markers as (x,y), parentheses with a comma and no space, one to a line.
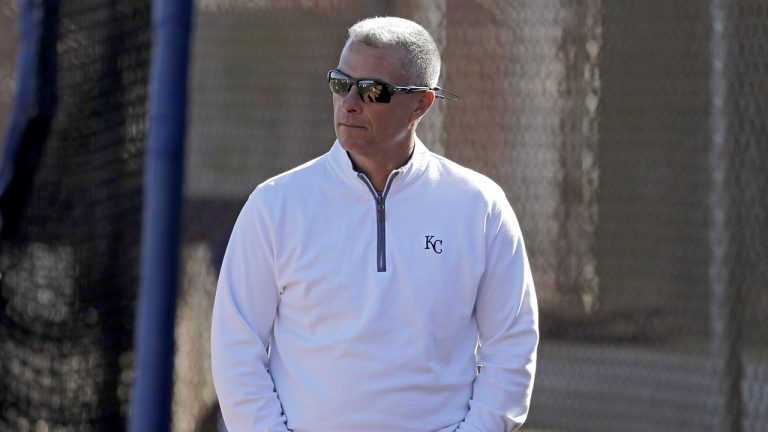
(381,232)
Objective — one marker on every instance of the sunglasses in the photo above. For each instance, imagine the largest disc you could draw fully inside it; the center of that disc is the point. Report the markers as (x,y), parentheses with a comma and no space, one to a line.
(375,91)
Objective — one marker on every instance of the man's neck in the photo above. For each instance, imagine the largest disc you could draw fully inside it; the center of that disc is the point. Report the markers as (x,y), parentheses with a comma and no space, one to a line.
(378,169)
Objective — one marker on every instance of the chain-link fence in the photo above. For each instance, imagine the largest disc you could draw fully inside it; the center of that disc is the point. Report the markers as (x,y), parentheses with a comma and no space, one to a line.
(596,119)
(630,137)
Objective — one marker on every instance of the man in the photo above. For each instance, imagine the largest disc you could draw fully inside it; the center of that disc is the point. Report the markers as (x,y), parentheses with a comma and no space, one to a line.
(355,288)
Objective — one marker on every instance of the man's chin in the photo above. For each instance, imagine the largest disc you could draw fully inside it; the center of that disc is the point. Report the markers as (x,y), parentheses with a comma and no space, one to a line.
(353,146)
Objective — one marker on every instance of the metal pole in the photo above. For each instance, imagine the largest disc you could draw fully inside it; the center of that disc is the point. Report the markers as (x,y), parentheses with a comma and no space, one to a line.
(724,320)
(156,310)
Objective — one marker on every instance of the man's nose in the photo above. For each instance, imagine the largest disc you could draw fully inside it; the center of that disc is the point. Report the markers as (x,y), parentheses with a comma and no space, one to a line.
(351,102)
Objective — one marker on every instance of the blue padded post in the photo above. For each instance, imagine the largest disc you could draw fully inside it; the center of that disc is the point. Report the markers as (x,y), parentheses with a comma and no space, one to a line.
(156,309)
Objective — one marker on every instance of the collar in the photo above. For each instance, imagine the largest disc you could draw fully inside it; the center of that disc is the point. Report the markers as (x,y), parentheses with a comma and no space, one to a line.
(342,166)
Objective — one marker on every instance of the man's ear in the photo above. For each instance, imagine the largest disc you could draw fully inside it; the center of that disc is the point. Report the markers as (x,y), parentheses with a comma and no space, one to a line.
(426,99)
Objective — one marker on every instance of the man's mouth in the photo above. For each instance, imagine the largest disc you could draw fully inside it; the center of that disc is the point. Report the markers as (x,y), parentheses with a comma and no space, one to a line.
(349,125)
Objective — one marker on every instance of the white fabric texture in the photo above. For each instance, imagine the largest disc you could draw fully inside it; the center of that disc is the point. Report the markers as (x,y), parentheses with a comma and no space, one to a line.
(309,335)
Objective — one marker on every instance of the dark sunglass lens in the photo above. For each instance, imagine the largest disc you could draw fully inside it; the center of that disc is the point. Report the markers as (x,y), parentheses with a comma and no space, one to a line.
(339,85)
(373,92)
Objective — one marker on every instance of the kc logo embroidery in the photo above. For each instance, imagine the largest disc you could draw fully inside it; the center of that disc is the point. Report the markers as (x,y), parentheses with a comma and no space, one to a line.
(435,245)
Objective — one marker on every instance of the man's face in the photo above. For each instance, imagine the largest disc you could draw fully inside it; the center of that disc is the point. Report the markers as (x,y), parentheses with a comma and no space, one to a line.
(374,130)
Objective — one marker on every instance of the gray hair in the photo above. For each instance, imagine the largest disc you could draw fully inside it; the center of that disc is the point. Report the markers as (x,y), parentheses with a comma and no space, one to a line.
(423,62)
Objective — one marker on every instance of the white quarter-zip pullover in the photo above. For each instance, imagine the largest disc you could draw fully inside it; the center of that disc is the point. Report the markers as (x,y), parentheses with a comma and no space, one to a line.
(342,309)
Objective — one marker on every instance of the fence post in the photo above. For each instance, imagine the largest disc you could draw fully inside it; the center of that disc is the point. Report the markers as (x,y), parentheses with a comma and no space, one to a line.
(154,341)
(724,291)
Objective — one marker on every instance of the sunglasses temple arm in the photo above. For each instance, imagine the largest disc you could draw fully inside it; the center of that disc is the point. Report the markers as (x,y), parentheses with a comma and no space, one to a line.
(448,96)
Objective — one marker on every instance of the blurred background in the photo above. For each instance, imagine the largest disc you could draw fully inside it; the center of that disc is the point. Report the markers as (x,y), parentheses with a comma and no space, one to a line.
(631,137)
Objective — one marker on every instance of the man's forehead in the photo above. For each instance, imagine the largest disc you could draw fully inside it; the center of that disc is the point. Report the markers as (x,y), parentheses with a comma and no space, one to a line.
(364,61)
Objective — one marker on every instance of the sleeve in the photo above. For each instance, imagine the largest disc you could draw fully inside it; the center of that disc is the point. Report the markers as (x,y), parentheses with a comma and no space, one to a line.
(243,317)
(507,319)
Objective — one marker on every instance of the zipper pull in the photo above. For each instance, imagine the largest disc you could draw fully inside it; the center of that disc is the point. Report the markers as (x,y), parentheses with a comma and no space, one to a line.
(380,209)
